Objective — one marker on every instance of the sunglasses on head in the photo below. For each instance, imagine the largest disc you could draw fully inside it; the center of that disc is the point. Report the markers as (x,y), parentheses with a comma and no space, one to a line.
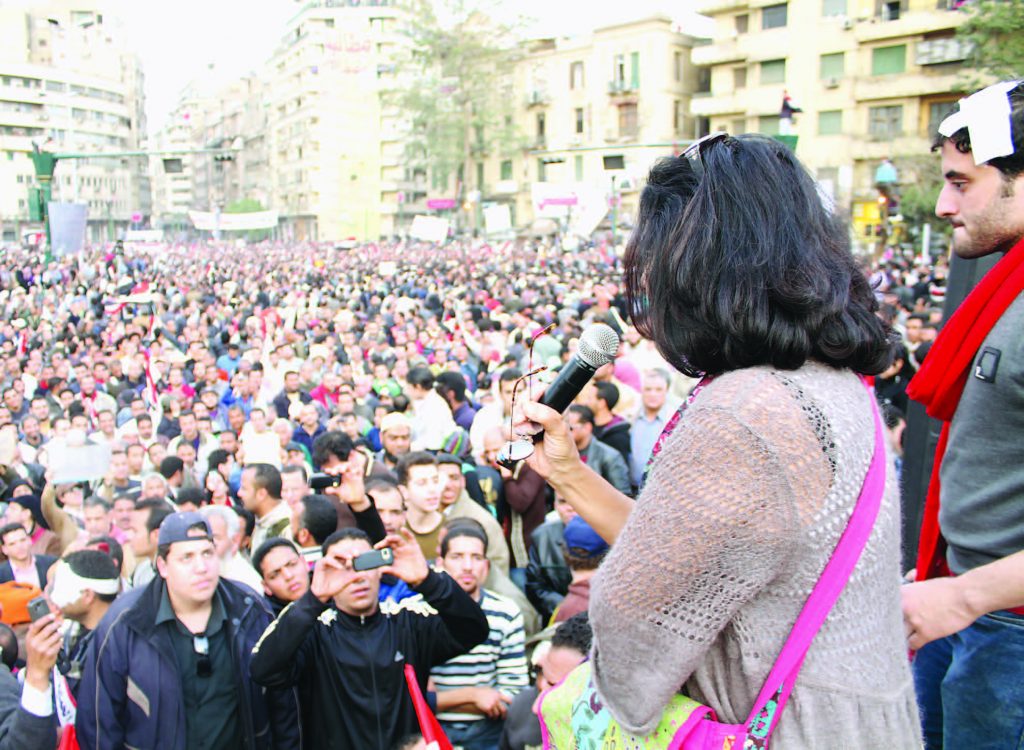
(201,645)
(694,153)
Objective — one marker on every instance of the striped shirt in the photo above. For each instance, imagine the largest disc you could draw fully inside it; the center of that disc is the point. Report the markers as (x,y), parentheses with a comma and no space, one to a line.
(499,662)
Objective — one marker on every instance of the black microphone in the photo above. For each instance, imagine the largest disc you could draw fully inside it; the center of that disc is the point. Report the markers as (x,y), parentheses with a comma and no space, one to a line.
(597,347)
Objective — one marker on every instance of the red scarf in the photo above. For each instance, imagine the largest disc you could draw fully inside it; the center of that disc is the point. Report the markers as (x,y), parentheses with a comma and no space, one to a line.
(941,379)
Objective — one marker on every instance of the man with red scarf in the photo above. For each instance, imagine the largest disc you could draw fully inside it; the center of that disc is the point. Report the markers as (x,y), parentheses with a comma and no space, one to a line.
(965,614)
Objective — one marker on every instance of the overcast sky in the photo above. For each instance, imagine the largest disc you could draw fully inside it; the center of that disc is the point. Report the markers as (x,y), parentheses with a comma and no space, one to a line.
(178,41)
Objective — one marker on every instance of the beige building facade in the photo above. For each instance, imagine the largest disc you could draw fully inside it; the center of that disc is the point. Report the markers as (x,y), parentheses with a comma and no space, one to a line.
(66,80)
(873,79)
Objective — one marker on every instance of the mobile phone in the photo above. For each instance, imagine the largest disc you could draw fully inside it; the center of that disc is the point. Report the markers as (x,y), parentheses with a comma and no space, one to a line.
(376,558)
(323,481)
(39,607)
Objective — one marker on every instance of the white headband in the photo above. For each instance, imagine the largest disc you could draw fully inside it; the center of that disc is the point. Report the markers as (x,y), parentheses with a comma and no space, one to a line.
(68,586)
(986,115)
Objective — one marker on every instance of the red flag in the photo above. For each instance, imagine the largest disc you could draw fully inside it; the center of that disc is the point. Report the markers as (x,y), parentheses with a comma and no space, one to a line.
(434,736)
(151,391)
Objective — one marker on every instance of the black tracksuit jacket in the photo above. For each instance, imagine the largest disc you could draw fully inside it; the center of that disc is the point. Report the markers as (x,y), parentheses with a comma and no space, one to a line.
(350,670)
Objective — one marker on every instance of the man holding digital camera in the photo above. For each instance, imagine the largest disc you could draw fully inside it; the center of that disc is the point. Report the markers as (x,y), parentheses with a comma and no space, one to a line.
(347,653)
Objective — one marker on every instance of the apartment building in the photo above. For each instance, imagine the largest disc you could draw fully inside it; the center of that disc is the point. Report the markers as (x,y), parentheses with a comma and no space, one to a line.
(595,111)
(67,80)
(874,79)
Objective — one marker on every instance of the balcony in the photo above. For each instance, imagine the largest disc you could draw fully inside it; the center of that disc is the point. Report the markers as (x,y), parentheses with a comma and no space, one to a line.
(903,85)
(913,23)
(753,101)
(711,7)
(537,99)
(725,51)
(621,89)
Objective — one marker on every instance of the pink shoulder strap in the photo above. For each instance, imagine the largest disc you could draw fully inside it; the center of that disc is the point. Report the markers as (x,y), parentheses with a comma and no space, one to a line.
(779,683)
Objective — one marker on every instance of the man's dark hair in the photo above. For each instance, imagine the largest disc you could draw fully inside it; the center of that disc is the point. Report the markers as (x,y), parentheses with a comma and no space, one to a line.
(91,563)
(349,532)
(607,392)
(264,549)
(745,266)
(194,495)
(143,418)
(295,469)
(319,517)
(216,458)
(8,528)
(574,633)
(9,645)
(334,443)
(266,477)
(406,462)
(110,547)
(247,517)
(459,527)
(452,382)
(510,374)
(448,459)
(420,376)
(170,466)
(1011,165)
(585,413)
(158,509)
(96,501)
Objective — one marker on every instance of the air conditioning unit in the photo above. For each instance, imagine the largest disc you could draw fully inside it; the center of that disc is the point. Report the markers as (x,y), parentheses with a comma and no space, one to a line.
(847,23)
(831,83)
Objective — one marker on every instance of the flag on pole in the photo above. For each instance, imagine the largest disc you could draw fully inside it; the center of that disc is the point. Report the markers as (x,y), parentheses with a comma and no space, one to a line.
(434,736)
(151,392)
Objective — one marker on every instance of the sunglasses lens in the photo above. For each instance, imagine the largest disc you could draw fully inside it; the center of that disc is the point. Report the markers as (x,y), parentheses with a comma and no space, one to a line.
(513,452)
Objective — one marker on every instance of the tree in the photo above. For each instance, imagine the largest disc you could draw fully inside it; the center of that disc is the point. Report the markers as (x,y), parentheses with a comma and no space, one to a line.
(921,181)
(455,92)
(248,206)
(995,33)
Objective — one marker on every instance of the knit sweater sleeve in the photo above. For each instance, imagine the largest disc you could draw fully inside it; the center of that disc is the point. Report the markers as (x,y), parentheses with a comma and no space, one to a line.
(716,523)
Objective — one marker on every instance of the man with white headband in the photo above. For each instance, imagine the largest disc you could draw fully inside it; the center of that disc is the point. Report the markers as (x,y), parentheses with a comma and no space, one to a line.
(84,586)
(965,614)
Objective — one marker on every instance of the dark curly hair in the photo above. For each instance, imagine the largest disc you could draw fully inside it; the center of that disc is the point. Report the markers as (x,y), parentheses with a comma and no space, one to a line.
(745,266)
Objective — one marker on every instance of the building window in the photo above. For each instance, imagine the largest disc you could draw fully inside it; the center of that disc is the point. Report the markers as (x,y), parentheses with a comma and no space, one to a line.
(888,10)
(832,65)
(738,126)
(634,71)
(937,112)
(830,122)
(677,117)
(888,60)
(619,73)
(885,122)
(702,126)
(703,80)
(542,171)
(739,78)
(773,71)
(578,167)
(579,120)
(773,16)
(768,124)
(833,7)
(576,75)
(742,23)
(541,125)
(627,121)
(677,66)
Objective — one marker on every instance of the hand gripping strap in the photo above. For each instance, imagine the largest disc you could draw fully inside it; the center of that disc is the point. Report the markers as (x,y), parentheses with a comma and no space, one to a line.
(779,683)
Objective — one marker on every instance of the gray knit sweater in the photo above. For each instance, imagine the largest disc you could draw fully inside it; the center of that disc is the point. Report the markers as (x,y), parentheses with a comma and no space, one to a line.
(741,511)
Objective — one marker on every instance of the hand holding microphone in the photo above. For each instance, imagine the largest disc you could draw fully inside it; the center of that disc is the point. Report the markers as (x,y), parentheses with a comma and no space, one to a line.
(597,347)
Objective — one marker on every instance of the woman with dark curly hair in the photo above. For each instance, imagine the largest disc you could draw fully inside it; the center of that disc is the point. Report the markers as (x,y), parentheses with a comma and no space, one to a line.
(741,276)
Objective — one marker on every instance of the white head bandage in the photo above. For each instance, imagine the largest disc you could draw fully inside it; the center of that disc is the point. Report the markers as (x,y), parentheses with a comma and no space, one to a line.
(68,586)
(986,115)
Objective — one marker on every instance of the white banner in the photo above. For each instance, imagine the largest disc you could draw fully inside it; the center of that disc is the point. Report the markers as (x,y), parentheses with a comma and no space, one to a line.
(210,221)
(498,218)
(429,228)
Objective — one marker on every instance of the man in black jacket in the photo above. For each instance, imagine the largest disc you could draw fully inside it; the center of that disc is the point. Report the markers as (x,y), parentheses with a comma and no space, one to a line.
(347,654)
(548,576)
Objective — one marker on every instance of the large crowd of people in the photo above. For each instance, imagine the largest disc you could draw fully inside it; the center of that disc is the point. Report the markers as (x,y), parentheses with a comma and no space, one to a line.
(258,485)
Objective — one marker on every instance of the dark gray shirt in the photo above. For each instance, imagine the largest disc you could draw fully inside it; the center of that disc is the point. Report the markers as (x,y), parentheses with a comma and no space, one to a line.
(209,686)
(982,504)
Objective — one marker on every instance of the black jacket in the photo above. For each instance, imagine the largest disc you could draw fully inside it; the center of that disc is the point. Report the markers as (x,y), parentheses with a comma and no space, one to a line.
(350,670)
(130,694)
(43,563)
(547,575)
(615,435)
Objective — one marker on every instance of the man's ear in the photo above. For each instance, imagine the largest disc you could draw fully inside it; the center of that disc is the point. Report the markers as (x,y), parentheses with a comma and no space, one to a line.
(303,537)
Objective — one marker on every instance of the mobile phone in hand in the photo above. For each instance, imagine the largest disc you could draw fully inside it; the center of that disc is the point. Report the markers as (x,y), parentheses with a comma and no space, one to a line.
(323,481)
(376,558)
(39,607)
